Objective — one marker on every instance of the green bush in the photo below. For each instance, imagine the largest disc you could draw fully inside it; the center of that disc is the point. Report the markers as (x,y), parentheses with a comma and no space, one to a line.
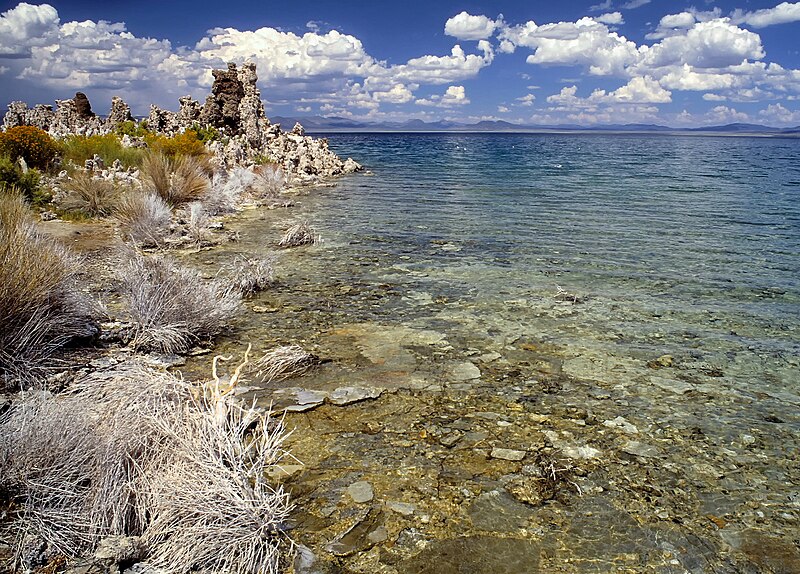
(33,144)
(186,144)
(109,147)
(131,128)
(206,134)
(26,184)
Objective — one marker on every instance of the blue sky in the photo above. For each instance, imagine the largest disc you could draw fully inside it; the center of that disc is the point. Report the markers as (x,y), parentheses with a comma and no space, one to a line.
(588,63)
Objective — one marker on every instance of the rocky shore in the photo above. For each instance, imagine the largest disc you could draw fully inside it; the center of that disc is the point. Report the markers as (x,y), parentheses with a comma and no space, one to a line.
(233,109)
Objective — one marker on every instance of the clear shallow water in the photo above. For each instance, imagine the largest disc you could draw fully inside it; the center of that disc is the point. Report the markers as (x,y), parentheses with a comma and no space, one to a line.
(452,251)
(673,242)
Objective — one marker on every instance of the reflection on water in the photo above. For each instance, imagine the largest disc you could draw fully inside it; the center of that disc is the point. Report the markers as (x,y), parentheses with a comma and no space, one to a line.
(625,307)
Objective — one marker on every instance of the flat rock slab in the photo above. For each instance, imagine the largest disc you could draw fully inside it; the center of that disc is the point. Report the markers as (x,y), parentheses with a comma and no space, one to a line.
(508,454)
(465,372)
(349,395)
(402,508)
(361,492)
(636,448)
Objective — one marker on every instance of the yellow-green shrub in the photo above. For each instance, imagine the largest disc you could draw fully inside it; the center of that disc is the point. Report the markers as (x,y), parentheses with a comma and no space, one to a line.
(109,147)
(188,144)
(33,144)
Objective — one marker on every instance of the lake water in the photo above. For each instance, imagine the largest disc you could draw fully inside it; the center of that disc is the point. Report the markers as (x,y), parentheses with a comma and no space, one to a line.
(626,307)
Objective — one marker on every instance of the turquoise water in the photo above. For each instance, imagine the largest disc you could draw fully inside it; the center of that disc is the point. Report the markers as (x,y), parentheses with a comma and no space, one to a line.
(626,305)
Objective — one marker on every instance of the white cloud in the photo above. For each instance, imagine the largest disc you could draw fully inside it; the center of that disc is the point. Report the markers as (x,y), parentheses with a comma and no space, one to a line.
(614,18)
(586,42)
(465,26)
(725,115)
(781,14)
(640,90)
(397,94)
(777,114)
(635,4)
(303,109)
(453,96)
(443,69)
(672,24)
(527,100)
(503,109)
(24,26)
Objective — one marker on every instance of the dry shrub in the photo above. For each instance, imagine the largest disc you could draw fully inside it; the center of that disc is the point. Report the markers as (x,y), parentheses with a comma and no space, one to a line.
(297,235)
(227,189)
(268,181)
(197,223)
(144,218)
(41,307)
(133,451)
(89,195)
(177,180)
(173,307)
(251,275)
(284,362)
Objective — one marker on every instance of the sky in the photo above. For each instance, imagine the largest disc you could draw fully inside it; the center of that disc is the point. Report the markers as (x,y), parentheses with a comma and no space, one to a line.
(530,62)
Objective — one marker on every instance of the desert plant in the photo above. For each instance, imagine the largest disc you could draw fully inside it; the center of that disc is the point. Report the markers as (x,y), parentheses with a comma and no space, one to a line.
(79,148)
(297,235)
(41,307)
(197,223)
(284,362)
(177,180)
(144,217)
(268,181)
(133,451)
(24,182)
(131,128)
(173,307)
(227,189)
(251,275)
(32,144)
(87,194)
(186,144)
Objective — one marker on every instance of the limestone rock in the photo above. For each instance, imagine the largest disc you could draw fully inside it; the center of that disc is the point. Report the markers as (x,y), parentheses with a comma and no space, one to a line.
(120,112)
(508,454)
(82,106)
(361,492)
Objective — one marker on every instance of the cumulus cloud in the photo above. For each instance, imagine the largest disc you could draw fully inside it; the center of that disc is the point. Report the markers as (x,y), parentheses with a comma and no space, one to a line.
(465,26)
(453,96)
(610,18)
(781,14)
(725,115)
(527,100)
(24,26)
(777,114)
(641,90)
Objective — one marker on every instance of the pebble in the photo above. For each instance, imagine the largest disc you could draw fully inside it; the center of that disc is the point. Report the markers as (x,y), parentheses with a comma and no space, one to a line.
(402,508)
(465,372)
(636,448)
(508,454)
(348,395)
(622,424)
(378,535)
(361,492)
(583,452)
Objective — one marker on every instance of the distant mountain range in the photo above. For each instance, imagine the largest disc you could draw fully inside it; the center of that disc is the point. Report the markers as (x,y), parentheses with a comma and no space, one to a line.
(339,124)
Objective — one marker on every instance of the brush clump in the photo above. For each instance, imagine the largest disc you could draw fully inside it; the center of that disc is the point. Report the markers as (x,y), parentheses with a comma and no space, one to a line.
(90,195)
(42,308)
(136,452)
(298,234)
(251,275)
(179,179)
(144,218)
(173,307)
(284,362)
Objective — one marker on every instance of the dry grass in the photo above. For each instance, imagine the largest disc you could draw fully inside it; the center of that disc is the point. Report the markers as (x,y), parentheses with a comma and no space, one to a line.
(144,218)
(133,451)
(41,307)
(176,180)
(173,307)
(283,363)
(89,195)
(297,235)
(227,189)
(251,275)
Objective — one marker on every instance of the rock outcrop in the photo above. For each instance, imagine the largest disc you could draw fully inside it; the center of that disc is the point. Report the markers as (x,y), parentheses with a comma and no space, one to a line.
(234,109)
